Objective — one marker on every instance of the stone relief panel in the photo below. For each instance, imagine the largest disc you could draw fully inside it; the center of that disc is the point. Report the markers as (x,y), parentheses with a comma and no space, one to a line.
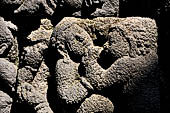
(89,62)
(103,52)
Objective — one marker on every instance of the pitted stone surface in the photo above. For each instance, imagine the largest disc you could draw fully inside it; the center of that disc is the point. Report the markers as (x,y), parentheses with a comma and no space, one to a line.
(5,103)
(105,64)
(8,73)
(33,75)
(8,41)
(77,8)
(35,6)
(34,98)
(69,86)
(32,55)
(8,64)
(129,45)
(96,103)
(8,78)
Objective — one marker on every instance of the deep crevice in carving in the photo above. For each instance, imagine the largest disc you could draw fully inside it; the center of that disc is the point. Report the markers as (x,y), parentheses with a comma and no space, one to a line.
(106,59)
(22,108)
(50,59)
(87,9)
(101,40)
(81,70)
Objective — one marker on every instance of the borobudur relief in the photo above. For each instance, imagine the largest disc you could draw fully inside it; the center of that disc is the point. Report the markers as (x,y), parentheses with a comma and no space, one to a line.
(104,58)
(8,64)
(68,7)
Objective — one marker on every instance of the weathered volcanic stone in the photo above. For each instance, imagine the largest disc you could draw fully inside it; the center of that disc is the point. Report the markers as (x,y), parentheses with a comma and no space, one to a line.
(6,36)
(96,103)
(33,73)
(34,98)
(8,41)
(105,53)
(34,7)
(8,73)
(5,103)
(32,55)
(8,57)
(40,82)
(73,7)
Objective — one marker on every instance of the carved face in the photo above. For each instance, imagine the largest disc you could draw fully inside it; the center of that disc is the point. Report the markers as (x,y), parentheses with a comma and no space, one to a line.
(117,44)
(77,39)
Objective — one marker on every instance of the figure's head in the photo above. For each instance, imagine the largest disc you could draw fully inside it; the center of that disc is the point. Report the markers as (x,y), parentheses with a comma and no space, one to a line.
(117,43)
(76,40)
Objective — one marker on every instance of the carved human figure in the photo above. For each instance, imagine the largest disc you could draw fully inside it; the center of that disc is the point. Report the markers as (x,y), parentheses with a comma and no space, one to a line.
(130,44)
(72,87)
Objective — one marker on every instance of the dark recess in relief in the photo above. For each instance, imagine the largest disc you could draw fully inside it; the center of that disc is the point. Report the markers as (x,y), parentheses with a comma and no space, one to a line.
(50,58)
(101,40)
(81,70)
(106,59)
(74,57)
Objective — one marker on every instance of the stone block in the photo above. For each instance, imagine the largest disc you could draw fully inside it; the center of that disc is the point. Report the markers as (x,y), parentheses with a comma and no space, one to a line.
(119,54)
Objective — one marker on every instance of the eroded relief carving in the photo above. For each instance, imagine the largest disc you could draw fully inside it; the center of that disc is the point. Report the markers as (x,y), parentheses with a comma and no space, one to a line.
(128,44)
(8,71)
(103,64)
(73,7)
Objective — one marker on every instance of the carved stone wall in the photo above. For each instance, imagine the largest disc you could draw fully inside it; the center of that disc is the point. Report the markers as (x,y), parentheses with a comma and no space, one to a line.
(82,56)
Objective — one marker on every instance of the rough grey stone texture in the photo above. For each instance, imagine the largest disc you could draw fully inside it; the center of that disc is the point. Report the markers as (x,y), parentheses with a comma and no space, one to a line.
(96,103)
(8,42)
(130,49)
(94,7)
(5,103)
(89,65)
(8,77)
(69,87)
(33,6)
(33,73)
(32,56)
(8,72)
(40,81)
(34,98)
